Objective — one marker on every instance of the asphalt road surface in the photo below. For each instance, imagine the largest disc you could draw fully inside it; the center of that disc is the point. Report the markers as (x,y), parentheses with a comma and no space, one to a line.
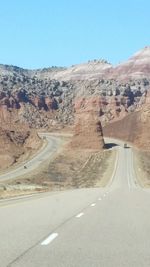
(107,227)
(48,150)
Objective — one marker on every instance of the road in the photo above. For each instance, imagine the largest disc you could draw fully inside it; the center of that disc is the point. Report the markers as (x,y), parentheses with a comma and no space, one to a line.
(80,228)
(47,151)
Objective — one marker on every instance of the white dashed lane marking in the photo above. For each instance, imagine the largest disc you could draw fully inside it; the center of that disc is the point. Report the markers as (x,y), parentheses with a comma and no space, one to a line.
(93,204)
(49,239)
(79,215)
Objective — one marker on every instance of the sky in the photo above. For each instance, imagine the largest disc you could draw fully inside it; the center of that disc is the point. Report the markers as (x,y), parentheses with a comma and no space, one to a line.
(44,33)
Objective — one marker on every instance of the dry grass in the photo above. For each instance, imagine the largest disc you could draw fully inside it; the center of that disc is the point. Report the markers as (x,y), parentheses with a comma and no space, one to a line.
(69,169)
(142,161)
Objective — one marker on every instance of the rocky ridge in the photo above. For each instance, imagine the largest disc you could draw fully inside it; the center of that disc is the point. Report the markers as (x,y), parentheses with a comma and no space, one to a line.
(137,67)
(45,98)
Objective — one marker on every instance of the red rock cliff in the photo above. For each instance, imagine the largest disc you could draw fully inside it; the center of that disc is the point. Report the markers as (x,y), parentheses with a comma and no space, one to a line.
(88,131)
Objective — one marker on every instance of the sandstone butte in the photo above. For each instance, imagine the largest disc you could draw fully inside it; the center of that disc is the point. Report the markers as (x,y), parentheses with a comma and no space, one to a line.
(88,132)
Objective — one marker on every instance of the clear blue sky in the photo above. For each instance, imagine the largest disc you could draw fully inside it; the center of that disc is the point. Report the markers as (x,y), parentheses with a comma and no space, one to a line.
(42,33)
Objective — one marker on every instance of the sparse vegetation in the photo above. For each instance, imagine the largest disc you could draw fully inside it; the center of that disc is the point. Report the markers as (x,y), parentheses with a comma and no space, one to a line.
(142,160)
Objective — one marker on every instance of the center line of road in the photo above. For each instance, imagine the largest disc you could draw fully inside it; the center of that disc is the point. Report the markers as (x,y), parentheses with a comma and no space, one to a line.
(79,215)
(92,205)
(49,239)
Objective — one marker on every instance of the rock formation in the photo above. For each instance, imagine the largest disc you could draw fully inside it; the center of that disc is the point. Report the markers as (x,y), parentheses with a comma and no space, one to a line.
(45,98)
(133,128)
(87,131)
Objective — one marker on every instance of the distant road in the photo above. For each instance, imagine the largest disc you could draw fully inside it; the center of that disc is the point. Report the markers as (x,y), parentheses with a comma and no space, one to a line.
(53,143)
(96,227)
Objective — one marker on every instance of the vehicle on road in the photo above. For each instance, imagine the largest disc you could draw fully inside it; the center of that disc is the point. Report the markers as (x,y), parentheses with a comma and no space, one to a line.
(125,145)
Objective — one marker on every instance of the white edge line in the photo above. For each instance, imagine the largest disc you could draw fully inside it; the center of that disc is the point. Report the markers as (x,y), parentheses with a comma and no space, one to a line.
(93,204)
(115,169)
(49,239)
(129,175)
(79,215)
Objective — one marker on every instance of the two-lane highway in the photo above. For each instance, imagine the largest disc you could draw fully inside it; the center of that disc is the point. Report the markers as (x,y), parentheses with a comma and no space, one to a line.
(80,228)
(46,152)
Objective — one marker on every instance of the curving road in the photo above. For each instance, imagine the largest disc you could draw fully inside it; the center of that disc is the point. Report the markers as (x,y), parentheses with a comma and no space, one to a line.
(80,228)
(45,153)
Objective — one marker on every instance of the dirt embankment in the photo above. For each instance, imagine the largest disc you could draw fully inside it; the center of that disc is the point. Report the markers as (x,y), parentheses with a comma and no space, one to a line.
(134,128)
(17,145)
(124,129)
